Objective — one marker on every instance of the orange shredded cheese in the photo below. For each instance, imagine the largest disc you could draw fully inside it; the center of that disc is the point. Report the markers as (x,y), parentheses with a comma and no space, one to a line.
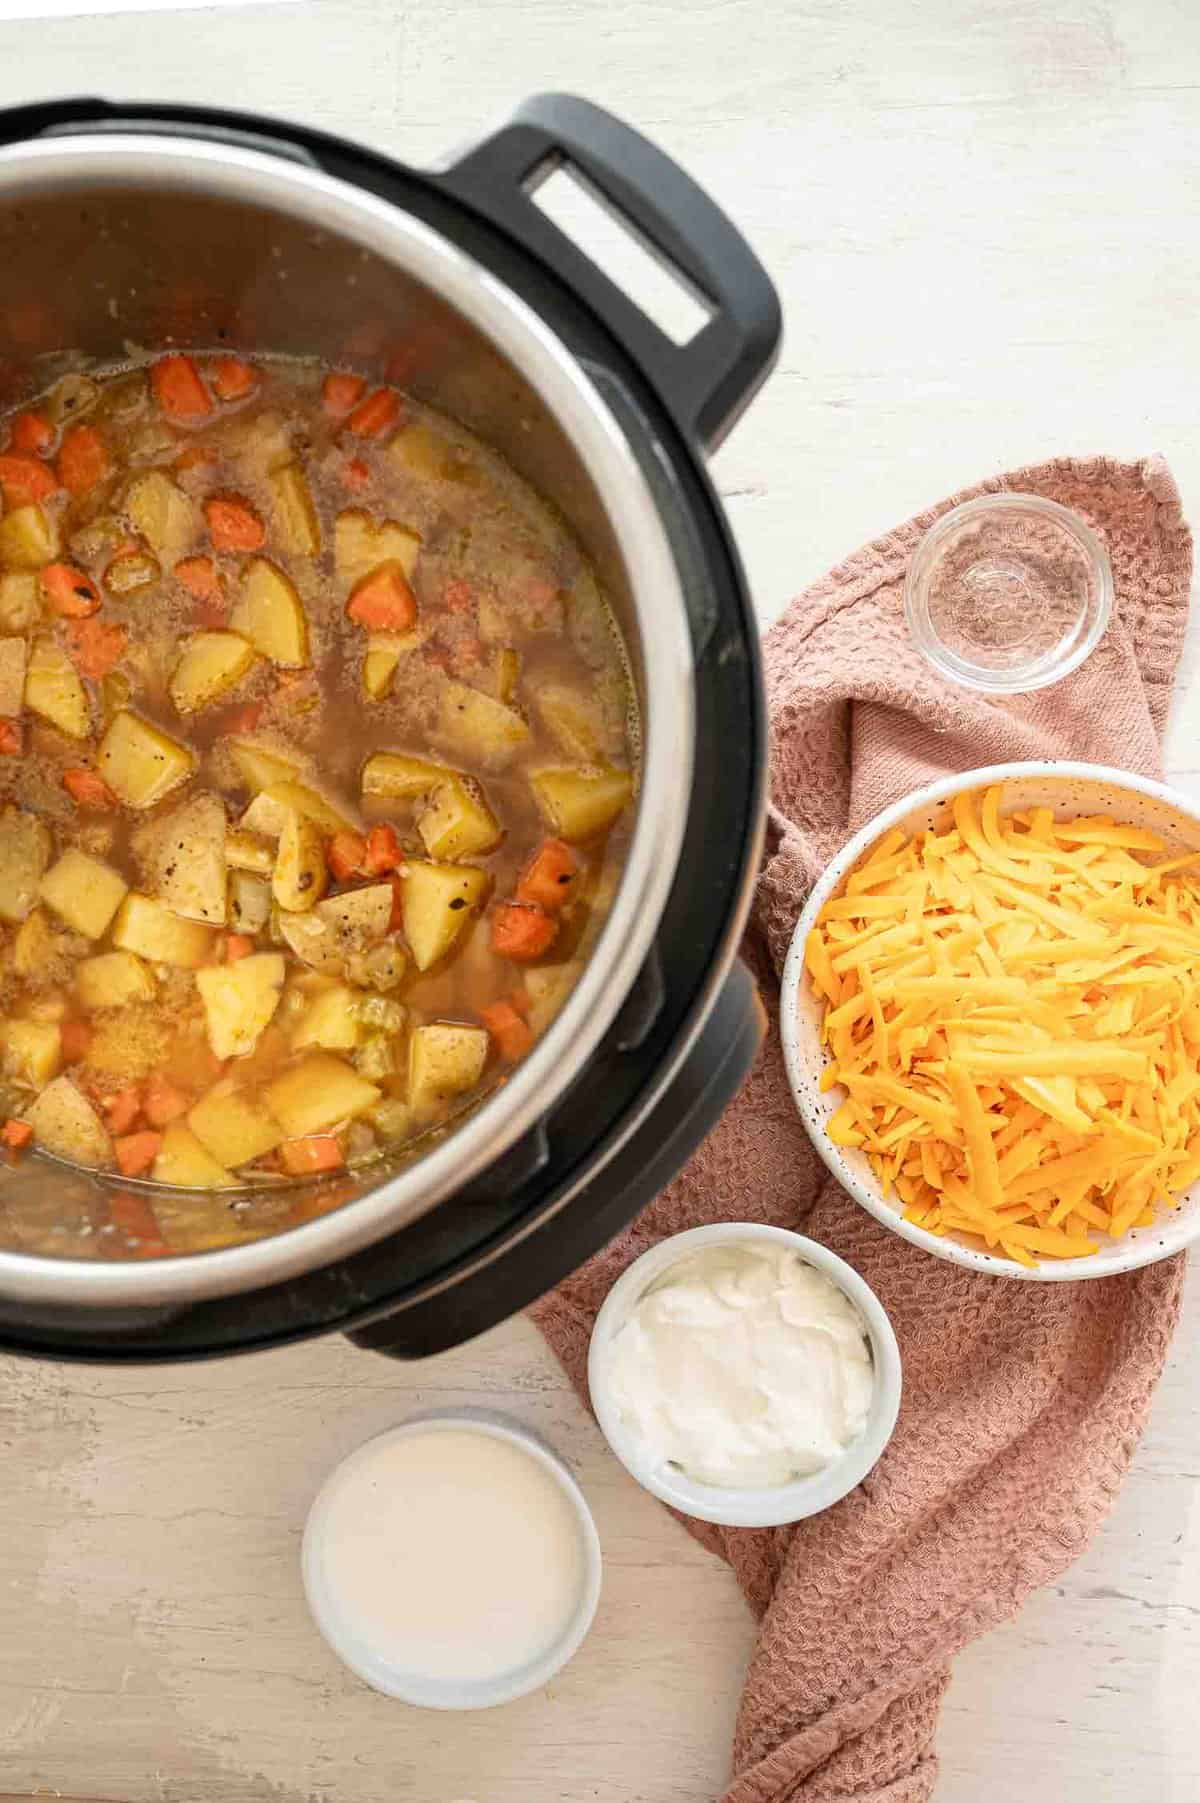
(1012,1018)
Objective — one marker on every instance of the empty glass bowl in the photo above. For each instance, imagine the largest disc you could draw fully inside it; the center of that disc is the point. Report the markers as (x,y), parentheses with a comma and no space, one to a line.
(1008,592)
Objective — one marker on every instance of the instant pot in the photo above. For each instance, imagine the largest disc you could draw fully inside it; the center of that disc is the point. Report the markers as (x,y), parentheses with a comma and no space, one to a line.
(126,229)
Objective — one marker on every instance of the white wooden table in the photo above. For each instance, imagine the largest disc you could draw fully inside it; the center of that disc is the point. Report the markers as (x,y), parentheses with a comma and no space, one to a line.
(982,215)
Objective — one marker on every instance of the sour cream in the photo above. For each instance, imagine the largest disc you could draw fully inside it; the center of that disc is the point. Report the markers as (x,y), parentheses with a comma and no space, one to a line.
(743,1367)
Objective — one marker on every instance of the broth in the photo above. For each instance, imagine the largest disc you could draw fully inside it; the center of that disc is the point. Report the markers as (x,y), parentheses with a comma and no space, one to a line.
(317,757)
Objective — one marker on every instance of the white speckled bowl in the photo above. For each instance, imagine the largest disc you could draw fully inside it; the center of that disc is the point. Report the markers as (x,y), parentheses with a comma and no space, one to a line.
(1071,789)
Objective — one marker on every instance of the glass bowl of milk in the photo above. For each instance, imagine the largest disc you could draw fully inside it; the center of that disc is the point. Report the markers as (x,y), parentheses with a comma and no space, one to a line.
(452,1561)
(744,1374)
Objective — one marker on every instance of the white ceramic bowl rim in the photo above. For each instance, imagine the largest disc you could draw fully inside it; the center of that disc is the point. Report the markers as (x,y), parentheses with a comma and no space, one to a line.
(780,1503)
(435,1693)
(1142,1246)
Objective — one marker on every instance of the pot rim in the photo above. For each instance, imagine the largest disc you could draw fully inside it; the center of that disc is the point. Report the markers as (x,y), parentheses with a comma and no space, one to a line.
(81,161)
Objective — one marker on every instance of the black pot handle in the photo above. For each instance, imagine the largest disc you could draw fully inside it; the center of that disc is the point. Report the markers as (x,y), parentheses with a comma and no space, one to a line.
(705,383)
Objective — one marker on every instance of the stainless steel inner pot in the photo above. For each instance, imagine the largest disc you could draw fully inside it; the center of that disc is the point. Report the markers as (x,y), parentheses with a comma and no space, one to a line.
(123,244)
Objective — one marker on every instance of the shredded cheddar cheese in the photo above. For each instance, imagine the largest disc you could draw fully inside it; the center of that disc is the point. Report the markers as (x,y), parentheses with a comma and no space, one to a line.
(1012,1012)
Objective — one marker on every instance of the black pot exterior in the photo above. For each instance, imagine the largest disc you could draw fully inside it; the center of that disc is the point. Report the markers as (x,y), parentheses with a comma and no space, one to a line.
(689,1029)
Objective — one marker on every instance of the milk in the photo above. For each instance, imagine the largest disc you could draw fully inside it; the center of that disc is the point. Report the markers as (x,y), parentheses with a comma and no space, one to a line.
(455,1555)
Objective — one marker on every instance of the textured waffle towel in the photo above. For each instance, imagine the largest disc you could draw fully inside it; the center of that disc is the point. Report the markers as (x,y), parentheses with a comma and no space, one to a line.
(1023,1402)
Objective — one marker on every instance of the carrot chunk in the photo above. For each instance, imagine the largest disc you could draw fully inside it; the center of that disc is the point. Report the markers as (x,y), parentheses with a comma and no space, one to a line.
(242,719)
(16,1135)
(199,577)
(237,946)
(512,1035)
(179,390)
(196,458)
(96,648)
(122,1109)
(522,931)
(75,1037)
(165,1102)
(232,378)
(133,1214)
(340,393)
(376,415)
(397,916)
(344,855)
(24,480)
(10,738)
(383,601)
(382,852)
(70,591)
(87,789)
(548,878)
(304,1157)
(31,432)
(233,524)
(83,459)
(136,1153)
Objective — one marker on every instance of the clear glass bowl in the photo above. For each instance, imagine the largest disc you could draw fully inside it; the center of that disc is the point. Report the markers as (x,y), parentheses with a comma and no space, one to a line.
(1008,592)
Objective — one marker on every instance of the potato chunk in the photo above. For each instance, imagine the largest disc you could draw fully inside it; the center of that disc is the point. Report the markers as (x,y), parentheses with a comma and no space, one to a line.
(65,1123)
(14,655)
(270,614)
(149,928)
(361,544)
(317,1093)
(311,939)
(183,1160)
(396,777)
(360,918)
(261,765)
(34,947)
(239,1001)
(444,1061)
(32,1050)
(183,860)
(297,527)
(139,763)
(480,729)
(24,856)
(572,720)
(330,1020)
(300,877)
(249,902)
(456,822)
(160,512)
(53,690)
(209,664)
(343,927)
(20,600)
(548,986)
(231,1127)
(383,655)
(249,851)
(438,901)
(579,804)
(112,979)
(28,538)
(269,811)
(83,892)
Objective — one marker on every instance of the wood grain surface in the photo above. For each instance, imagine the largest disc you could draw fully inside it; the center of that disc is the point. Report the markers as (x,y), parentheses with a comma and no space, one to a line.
(983,221)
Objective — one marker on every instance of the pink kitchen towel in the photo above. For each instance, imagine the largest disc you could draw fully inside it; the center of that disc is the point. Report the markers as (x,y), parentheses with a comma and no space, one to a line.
(1023,1402)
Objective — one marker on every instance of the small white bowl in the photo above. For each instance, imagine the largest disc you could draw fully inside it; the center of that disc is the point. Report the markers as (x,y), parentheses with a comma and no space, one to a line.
(776,1504)
(351,1641)
(1070,789)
